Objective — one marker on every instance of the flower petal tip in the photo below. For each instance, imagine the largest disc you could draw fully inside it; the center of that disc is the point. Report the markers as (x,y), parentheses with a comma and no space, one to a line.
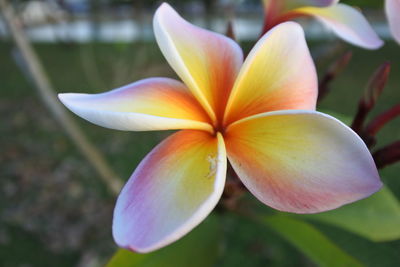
(375,44)
(290,24)
(196,55)
(347,22)
(62,96)
(278,74)
(164,7)
(149,104)
(392,9)
(311,172)
(69,99)
(122,243)
(171,191)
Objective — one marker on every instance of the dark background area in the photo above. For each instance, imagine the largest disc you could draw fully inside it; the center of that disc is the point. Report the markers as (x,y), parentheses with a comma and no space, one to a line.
(54,211)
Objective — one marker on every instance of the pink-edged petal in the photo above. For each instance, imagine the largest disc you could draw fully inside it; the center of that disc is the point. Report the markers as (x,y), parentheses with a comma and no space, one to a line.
(207,62)
(279,73)
(318,3)
(284,5)
(392,8)
(301,161)
(150,104)
(347,22)
(278,11)
(172,190)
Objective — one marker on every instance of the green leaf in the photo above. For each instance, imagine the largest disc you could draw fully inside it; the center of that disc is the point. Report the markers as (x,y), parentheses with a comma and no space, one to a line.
(376,218)
(200,248)
(310,241)
(370,253)
(125,258)
(364,3)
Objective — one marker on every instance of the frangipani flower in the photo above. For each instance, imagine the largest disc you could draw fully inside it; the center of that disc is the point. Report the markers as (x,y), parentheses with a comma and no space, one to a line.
(392,8)
(347,22)
(260,114)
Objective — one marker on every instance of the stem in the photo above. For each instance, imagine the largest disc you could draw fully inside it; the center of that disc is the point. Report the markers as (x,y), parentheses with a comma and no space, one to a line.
(333,71)
(360,117)
(234,189)
(387,155)
(229,31)
(49,98)
(378,122)
(376,84)
(374,88)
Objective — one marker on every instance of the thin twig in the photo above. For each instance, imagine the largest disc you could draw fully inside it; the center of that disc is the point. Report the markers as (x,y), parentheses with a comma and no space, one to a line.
(333,71)
(374,88)
(46,93)
(230,31)
(381,120)
(387,155)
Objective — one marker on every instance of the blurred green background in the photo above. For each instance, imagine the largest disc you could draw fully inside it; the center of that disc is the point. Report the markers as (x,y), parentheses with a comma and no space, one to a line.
(54,211)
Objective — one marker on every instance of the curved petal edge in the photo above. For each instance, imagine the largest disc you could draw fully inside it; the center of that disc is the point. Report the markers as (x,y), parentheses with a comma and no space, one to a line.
(347,22)
(301,161)
(392,8)
(286,5)
(278,73)
(149,104)
(172,190)
(207,62)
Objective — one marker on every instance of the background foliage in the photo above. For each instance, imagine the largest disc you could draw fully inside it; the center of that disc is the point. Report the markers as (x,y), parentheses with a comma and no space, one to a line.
(54,211)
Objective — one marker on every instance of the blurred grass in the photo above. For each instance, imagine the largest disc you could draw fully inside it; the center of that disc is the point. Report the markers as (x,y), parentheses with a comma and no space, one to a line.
(29,135)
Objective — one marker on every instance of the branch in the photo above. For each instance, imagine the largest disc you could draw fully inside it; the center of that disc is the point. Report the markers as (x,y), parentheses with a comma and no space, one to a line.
(374,88)
(387,155)
(333,71)
(379,121)
(46,93)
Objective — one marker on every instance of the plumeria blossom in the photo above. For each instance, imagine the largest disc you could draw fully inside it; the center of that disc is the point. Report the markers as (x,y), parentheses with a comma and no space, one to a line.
(392,8)
(260,114)
(347,22)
